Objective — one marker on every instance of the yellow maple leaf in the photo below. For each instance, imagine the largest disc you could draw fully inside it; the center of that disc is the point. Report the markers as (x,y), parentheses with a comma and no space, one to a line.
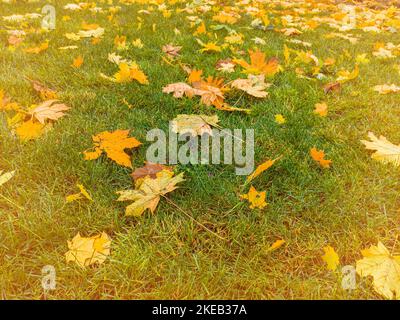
(29,130)
(149,191)
(128,73)
(87,251)
(256,199)
(280,119)
(113,144)
(385,151)
(331,258)
(383,267)
(194,124)
(321,109)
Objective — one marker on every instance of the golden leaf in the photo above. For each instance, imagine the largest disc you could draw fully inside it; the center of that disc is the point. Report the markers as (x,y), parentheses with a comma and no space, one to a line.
(383,267)
(256,199)
(113,144)
(260,169)
(331,258)
(29,130)
(88,251)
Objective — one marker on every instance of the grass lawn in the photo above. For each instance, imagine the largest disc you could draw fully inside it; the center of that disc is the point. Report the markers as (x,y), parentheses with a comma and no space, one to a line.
(166,255)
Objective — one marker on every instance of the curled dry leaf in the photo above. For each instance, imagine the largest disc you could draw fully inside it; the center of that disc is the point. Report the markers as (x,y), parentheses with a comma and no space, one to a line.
(260,169)
(332,87)
(180,89)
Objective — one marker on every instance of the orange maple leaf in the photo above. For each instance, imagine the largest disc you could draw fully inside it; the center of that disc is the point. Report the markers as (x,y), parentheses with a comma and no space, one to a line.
(319,156)
(258,64)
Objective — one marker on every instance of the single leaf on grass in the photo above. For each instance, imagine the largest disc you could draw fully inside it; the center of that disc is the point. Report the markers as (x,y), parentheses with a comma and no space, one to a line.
(148,193)
(113,144)
(260,169)
(82,194)
(256,199)
(49,110)
(276,245)
(386,88)
(4,177)
(321,109)
(384,269)
(180,89)
(194,124)
(88,251)
(319,157)
(171,51)
(331,258)
(385,151)
(280,119)
(77,62)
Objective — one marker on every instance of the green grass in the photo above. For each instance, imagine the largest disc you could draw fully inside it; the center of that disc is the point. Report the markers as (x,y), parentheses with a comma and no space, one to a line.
(166,255)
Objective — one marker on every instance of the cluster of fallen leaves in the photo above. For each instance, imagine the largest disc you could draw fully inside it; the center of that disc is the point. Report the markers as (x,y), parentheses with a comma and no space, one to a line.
(154,181)
(377,262)
(29,123)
